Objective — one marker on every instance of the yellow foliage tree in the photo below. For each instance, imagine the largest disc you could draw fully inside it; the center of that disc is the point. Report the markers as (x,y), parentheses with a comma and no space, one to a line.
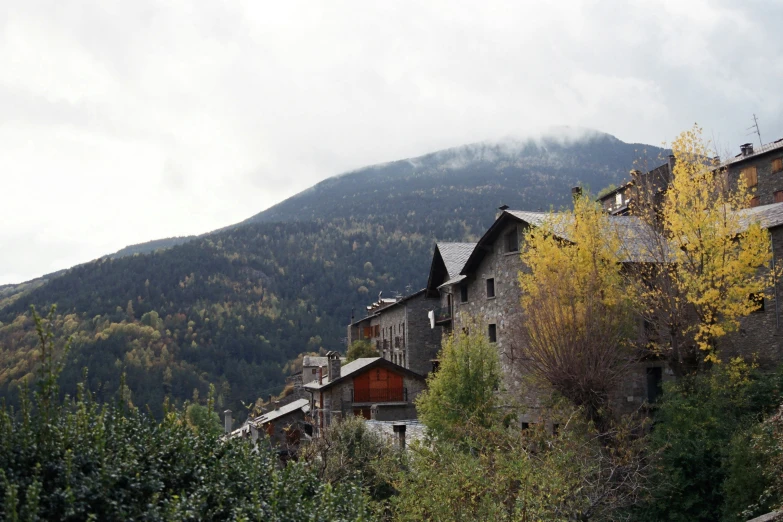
(578,312)
(712,257)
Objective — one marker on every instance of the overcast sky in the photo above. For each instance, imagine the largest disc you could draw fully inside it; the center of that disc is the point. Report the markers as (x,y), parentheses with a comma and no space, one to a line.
(122,122)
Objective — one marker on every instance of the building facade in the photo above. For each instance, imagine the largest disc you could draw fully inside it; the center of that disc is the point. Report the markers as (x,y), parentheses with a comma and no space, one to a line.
(370,387)
(400,331)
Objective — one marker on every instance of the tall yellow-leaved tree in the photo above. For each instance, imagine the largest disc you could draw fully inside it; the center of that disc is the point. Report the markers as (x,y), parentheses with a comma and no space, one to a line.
(578,310)
(712,258)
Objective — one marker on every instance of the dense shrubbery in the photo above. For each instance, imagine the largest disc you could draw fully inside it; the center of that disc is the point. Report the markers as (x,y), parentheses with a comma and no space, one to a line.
(81,460)
(713,448)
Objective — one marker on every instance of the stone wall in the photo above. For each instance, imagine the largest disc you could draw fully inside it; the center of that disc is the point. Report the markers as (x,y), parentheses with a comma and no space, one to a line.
(761,333)
(768,182)
(422,343)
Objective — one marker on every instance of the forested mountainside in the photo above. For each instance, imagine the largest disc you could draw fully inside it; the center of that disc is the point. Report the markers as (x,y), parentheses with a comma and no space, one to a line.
(232,307)
(467,182)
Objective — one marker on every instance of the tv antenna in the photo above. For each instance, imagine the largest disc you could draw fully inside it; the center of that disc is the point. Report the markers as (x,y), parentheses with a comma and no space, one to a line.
(755,127)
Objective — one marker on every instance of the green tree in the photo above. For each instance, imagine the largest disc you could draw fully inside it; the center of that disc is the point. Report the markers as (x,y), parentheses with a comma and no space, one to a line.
(463,390)
(361,348)
(76,459)
(705,426)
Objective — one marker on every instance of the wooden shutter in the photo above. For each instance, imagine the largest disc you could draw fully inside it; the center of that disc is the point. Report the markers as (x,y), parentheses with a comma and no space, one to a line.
(777,164)
(779,196)
(749,175)
(755,202)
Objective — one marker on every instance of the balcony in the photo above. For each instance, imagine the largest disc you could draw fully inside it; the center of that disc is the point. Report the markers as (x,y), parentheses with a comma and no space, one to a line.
(442,314)
(379,395)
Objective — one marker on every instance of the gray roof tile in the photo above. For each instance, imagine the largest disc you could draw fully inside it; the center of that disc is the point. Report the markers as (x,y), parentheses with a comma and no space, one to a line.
(455,255)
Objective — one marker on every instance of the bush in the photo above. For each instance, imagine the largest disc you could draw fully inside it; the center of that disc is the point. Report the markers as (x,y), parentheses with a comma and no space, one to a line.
(75,459)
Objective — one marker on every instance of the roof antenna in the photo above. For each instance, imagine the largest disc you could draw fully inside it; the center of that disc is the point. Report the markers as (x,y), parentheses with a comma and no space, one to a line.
(755,127)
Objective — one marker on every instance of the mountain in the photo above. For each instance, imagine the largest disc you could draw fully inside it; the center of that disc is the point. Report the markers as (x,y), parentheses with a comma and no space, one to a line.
(232,307)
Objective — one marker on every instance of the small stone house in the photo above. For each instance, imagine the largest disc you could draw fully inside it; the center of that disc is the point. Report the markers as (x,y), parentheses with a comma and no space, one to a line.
(286,425)
(371,387)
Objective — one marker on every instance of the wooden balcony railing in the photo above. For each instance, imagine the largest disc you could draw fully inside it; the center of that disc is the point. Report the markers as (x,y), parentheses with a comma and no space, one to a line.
(380,395)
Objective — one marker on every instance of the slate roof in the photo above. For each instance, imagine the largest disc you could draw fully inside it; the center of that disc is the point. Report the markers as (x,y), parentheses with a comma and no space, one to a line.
(314,360)
(767,147)
(769,216)
(300,404)
(455,255)
(356,366)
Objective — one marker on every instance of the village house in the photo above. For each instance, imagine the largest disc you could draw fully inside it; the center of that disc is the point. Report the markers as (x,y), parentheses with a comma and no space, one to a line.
(399,330)
(762,170)
(448,259)
(371,387)
(486,294)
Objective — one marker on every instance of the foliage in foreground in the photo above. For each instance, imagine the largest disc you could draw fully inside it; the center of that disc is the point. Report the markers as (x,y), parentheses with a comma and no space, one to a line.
(462,392)
(78,460)
(714,454)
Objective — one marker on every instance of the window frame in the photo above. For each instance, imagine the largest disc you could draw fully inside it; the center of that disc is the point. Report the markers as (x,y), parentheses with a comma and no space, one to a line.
(492,332)
(463,293)
(490,286)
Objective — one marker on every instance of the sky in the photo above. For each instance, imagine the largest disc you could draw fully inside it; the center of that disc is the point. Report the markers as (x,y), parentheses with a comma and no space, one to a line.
(122,122)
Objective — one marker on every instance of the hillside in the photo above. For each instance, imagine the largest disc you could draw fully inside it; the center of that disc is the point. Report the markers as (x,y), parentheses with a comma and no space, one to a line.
(232,307)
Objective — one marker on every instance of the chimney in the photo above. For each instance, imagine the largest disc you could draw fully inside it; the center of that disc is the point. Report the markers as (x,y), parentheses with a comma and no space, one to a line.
(320,375)
(746,149)
(672,162)
(576,192)
(399,430)
(333,362)
(277,404)
(228,420)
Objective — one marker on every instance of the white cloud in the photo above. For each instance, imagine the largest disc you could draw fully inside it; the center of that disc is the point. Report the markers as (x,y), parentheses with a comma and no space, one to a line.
(128,121)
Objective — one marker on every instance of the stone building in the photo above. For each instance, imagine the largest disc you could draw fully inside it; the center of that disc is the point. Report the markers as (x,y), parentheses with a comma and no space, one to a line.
(372,387)
(400,330)
(448,259)
(762,169)
(486,294)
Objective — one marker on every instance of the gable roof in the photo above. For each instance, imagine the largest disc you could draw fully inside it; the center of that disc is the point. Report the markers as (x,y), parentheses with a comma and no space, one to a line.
(767,147)
(455,255)
(448,260)
(357,366)
(635,235)
(291,407)
(506,217)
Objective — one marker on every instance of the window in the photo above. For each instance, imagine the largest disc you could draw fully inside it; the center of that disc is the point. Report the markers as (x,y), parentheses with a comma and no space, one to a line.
(777,164)
(377,330)
(755,202)
(618,199)
(512,241)
(490,287)
(654,377)
(779,196)
(758,300)
(749,175)
(525,426)
(492,332)
(463,293)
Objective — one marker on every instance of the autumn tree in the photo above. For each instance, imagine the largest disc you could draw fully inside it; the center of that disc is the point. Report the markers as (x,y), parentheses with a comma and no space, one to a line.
(710,257)
(578,314)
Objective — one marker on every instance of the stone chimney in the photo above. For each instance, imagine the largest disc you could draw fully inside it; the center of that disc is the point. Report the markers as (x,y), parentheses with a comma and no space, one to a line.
(333,365)
(228,420)
(746,149)
(399,430)
(576,192)
(672,162)
(320,375)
